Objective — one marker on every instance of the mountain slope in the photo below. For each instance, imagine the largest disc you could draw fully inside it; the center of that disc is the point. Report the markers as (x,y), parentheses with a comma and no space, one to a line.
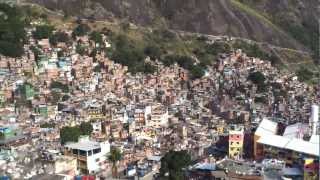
(240,18)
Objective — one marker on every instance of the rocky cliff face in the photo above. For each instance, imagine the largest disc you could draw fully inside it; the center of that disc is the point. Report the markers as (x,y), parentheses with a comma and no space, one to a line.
(252,19)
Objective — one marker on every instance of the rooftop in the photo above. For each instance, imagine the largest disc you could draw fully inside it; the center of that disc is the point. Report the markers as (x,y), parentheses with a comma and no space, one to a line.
(266,127)
(48,177)
(84,146)
(290,140)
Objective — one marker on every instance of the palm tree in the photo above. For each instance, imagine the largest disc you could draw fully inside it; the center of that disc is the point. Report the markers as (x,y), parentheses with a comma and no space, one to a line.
(114,156)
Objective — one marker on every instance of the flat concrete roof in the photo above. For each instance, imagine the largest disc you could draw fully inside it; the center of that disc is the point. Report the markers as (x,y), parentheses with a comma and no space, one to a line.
(84,146)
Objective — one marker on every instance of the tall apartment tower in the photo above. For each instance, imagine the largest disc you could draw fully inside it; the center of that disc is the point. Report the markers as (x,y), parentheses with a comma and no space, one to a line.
(236,137)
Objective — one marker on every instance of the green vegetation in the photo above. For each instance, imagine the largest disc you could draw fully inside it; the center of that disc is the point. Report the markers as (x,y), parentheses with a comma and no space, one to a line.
(153,51)
(304,74)
(27,91)
(12,33)
(253,12)
(59,85)
(254,50)
(48,125)
(65,98)
(71,134)
(96,37)
(128,53)
(37,52)
(1,135)
(85,128)
(81,30)
(59,37)
(196,72)
(258,79)
(114,156)
(11,50)
(209,52)
(173,163)
(261,99)
(306,34)
(80,49)
(305,31)
(130,48)
(43,32)
(97,68)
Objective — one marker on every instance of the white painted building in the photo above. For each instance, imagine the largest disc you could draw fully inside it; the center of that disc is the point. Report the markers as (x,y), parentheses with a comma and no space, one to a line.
(91,155)
(159,117)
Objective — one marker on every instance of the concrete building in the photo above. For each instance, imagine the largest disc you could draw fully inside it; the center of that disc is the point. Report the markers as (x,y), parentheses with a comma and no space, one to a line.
(159,117)
(90,154)
(236,136)
(298,145)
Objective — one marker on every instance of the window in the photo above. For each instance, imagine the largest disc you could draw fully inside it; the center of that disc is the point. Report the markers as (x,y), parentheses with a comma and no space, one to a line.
(75,151)
(89,153)
(95,151)
(83,153)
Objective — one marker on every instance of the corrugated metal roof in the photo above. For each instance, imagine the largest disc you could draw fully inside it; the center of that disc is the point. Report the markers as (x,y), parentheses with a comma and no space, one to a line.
(302,146)
(267,132)
(315,139)
(266,127)
(274,140)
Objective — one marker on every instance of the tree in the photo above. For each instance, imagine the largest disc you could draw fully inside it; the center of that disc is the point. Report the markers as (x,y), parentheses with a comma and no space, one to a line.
(196,72)
(72,134)
(81,49)
(43,32)
(184,61)
(69,134)
(168,35)
(127,53)
(36,51)
(1,135)
(149,68)
(81,30)
(96,37)
(59,85)
(152,51)
(304,74)
(12,30)
(168,60)
(60,53)
(11,49)
(114,156)
(257,77)
(86,128)
(173,163)
(97,68)
(65,97)
(59,37)
(217,47)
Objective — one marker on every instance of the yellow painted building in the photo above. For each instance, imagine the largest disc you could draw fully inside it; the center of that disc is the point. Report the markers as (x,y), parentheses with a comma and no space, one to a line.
(95,113)
(236,137)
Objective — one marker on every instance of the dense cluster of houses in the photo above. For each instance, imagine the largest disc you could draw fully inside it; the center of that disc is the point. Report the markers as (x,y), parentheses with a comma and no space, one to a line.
(144,115)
